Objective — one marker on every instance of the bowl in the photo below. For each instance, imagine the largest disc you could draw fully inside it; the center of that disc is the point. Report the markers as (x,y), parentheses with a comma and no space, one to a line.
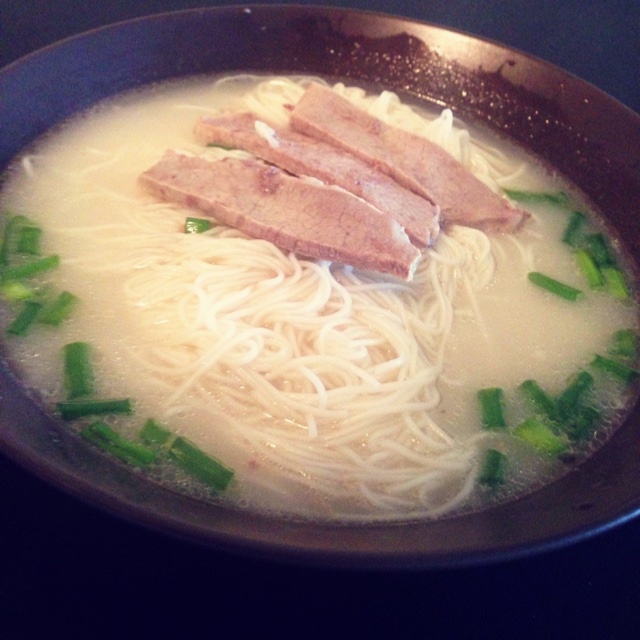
(540,107)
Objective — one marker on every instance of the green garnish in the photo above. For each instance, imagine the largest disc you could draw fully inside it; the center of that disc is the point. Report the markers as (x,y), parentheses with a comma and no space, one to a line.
(59,310)
(582,424)
(554,286)
(198,464)
(540,399)
(492,470)
(624,343)
(154,433)
(78,371)
(72,409)
(102,435)
(589,269)
(538,197)
(29,239)
(16,291)
(574,228)
(197,225)
(570,399)
(617,369)
(30,269)
(615,283)
(492,408)
(597,247)
(10,237)
(537,432)
(186,455)
(23,322)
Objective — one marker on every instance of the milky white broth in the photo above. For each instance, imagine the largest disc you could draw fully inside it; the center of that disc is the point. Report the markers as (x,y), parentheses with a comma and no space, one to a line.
(84,177)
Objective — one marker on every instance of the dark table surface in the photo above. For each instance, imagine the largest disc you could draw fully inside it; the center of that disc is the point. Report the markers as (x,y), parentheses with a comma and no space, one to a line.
(68,570)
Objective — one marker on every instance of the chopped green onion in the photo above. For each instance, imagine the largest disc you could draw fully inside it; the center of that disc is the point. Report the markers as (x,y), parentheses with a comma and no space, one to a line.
(29,240)
(615,283)
(16,291)
(539,398)
(492,471)
(589,268)
(59,310)
(596,245)
(78,371)
(570,398)
(492,408)
(29,269)
(197,225)
(573,231)
(624,343)
(10,237)
(198,464)
(615,368)
(102,435)
(554,286)
(534,197)
(582,423)
(539,434)
(72,409)
(154,433)
(25,319)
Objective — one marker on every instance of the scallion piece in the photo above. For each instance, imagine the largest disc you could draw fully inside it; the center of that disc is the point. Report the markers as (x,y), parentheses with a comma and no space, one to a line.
(29,239)
(572,233)
(617,369)
(624,344)
(30,269)
(72,409)
(589,269)
(559,198)
(196,225)
(198,464)
(541,401)
(78,370)
(492,471)
(25,319)
(597,247)
(10,237)
(614,282)
(492,408)
(16,291)
(102,435)
(540,435)
(153,433)
(59,310)
(582,423)
(554,286)
(570,399)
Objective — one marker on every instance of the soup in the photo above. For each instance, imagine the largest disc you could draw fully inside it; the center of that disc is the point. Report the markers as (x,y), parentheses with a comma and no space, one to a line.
(328,391)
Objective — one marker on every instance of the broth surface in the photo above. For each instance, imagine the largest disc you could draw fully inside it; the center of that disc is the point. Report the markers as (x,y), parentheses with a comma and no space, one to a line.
(80,185)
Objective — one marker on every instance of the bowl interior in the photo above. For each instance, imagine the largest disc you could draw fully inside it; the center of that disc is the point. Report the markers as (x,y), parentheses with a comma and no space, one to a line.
(540,107)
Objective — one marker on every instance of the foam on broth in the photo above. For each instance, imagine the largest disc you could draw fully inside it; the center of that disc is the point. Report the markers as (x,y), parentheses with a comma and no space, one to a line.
(83,177)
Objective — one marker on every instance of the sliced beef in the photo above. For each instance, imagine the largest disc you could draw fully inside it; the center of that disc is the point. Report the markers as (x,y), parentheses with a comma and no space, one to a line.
(305,156)
(412,160)
(308,218)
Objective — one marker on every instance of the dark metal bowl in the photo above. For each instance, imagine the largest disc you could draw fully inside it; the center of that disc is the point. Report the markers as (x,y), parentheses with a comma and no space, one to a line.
(587,136)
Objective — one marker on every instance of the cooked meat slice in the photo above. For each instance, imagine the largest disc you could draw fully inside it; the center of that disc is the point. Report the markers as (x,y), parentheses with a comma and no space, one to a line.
(305,156)
(412,160)
(310,219)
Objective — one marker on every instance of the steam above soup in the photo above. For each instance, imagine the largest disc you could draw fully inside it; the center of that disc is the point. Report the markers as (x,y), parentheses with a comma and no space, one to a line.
(351,385)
